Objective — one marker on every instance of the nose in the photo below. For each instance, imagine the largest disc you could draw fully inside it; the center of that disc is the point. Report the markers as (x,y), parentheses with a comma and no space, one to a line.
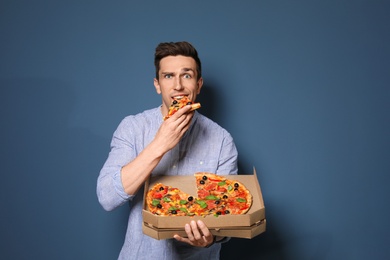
(178,84)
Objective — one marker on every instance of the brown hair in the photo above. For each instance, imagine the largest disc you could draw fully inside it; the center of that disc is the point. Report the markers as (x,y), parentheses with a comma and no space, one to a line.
(165,49)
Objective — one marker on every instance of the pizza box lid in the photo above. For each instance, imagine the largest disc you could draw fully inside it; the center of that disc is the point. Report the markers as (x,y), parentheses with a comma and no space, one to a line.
(187,184)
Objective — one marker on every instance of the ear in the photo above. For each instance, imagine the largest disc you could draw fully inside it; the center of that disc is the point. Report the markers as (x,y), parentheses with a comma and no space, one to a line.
(200,84)
(157,86)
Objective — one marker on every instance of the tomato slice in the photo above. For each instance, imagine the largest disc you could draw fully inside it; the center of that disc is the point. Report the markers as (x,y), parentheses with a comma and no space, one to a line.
(157,195)
(212,179)
(210,204)
(211,186)
(203,193)
(166,205)
(221,189)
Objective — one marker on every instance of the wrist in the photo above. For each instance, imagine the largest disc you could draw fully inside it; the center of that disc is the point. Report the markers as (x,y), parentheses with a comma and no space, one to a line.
(156,149)
(212,243)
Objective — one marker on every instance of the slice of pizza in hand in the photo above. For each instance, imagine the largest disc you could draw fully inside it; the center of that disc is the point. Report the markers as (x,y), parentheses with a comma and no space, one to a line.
(179,102)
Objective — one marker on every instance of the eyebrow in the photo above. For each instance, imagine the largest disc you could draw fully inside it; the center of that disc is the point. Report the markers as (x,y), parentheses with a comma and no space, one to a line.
(187,69)
(183,70)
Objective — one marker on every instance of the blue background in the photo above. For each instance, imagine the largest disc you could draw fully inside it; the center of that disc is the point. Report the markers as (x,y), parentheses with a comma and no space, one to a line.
(302,86)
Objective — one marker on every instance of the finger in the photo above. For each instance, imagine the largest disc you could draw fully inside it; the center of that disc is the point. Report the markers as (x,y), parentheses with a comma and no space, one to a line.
(179,121)
(186,123)
(181,111)
(203,228)
(185,109)
(188,230)
(195,230)
(178,124)
(205,231)
(183,123)
(180,238)
(186,119)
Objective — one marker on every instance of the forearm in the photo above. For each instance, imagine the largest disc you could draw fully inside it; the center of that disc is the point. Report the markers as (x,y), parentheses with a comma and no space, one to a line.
(135,173)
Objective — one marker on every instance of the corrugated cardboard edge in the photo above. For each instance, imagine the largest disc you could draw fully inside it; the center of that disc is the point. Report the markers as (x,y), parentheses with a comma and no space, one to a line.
(262,211)
(238,232)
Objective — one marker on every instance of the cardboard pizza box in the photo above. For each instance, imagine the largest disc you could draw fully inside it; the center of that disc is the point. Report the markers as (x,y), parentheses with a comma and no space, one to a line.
(247,225)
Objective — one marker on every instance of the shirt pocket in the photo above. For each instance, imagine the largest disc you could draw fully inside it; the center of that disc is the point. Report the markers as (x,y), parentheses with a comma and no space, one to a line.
(200,165)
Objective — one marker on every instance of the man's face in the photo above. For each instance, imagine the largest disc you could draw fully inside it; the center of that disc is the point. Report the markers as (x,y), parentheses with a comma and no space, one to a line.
(177,77)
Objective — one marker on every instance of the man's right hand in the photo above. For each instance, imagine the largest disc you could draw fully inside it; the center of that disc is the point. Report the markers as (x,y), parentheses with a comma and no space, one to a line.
(173,129)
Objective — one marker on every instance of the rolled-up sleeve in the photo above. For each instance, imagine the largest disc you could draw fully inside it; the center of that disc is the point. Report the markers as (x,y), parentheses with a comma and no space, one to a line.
(228,156)
(110,191)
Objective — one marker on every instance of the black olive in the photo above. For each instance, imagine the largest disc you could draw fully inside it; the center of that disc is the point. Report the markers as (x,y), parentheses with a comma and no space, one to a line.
(236,185)
(201,182)
(225,196)
(159,206)
(227,211)
(174,102)
(217,202)
(189,103)
(190,198)
(235,189)
(161,188)
(219,213)
(204,177)
(174,212)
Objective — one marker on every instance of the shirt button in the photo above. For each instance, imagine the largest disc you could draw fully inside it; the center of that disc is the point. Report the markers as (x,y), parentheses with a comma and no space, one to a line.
(174,166)
(201,162)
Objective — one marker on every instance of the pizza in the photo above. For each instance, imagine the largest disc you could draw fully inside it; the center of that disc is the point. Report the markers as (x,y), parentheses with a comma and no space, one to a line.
(179,102)
(216,195)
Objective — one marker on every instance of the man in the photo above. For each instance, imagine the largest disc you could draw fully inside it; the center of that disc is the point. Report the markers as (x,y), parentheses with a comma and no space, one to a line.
(145,144)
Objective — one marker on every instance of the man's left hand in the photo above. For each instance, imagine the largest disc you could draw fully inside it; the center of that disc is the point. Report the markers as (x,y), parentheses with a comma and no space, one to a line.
(198,234)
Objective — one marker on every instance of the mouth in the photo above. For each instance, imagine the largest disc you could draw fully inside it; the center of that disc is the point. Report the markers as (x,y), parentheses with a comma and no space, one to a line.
(179,96)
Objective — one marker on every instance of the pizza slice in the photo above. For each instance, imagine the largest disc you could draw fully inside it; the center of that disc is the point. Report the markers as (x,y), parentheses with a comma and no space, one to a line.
(207,184)
(237,199)
(231,196)
(164,200)
(179,102)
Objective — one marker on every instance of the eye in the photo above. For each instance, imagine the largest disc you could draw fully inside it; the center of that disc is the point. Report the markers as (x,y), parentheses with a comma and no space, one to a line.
(168,76)
(187,76)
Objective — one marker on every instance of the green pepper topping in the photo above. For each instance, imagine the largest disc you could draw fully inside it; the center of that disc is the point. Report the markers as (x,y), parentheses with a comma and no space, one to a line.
(241,200)
(202,204)
(155,202)
(221,183)
(211,197)
(166,199)
(183,202)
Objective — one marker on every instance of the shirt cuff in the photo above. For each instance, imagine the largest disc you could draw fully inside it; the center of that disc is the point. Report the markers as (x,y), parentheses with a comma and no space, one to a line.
(119,187)
(223,240)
